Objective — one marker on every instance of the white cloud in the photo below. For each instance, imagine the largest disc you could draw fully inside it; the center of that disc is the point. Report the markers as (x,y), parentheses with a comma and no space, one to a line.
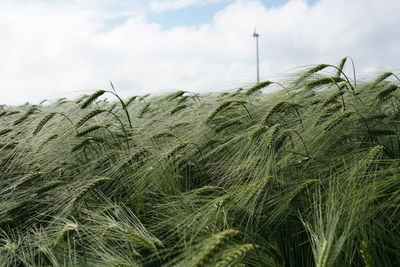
(165,5)
(56,48)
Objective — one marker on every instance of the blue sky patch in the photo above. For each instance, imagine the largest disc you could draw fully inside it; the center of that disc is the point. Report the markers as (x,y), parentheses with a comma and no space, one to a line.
(194,15)
(199,14)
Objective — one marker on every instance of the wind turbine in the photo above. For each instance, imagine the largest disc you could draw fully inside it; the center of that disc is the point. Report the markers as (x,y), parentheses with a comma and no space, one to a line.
(256,35)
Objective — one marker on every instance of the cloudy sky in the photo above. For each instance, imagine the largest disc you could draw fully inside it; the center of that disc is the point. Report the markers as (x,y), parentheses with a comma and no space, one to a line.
(55,48)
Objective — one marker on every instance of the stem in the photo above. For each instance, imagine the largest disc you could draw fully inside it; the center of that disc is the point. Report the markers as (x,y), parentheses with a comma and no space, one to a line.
(367,126)
(246,110)
(65,116)
(123,129)
(123,107)
(354,70)
(302,140)
(345,76)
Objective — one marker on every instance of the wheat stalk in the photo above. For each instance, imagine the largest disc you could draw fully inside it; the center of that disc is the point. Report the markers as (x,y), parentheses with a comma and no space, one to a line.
(366,254)
(227,125)
(312,70)
(338,120)
(89,187)
(141,241)
(92,129)
(183,99)
(273,134)
(5,131)
(49,186)
(281,139)
(258,131)
(10,113)
(92,98)
(10,145)
(178,108)
(175,95)
(113,106)
(88,140)
(218,110)
(3,113)
(88,116)
(234,255)
(279,107)
(341,66)
(339,70)
(42,122)
(329,112)
(141,154)
(324,81)
(25,115)
(177,149)
(332,98)
(144,110)
(212,246)
(258,87)
(374,153)
(380,79)
(19,205)
(130,100)
(29,178)
(52,137)
(387,92)
(163,135)
(323,255)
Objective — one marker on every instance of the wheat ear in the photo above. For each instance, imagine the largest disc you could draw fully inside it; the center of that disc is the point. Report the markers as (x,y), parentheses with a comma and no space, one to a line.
(219,109)
(25,115)
(141,241)
(258,87)
(92,98)
(387,92)
(323,81)
(88,116)
(234,255)
(366,254)
(338,120)
(29,178)
(341,66)
(213,245)
(42,122)
(332,99)
(92,129)
(258,131)
(178,108)
(130,100)
(49,186)
(312,71)
(273,134)
(5,131)
(144,110)
(89,187)
(279,107)
(227,124)
(323,256)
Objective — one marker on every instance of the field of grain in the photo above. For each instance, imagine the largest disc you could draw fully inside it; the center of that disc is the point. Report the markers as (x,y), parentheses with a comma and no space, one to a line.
(306,176)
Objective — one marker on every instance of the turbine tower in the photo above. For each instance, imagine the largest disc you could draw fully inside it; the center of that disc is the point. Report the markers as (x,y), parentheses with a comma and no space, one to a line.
(256,35)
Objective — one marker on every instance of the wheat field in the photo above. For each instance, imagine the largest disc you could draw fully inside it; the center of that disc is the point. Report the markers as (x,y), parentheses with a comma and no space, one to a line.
(306,175)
